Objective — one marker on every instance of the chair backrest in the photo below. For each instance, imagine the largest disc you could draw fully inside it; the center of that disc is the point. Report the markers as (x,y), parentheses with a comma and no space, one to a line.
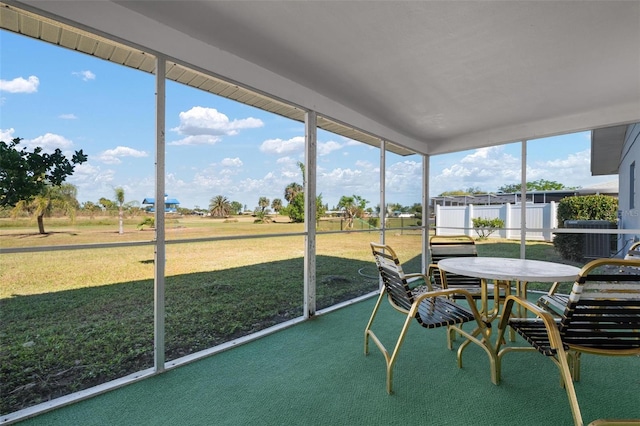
(634,251)
(602,315)
(445,246)
(393,278)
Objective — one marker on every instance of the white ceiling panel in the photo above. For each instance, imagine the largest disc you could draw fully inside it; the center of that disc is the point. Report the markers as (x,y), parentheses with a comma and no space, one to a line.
(431,76)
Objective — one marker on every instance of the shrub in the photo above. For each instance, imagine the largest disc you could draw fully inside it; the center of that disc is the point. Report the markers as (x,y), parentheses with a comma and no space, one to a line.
(485,227)
(589,207)
(148,221)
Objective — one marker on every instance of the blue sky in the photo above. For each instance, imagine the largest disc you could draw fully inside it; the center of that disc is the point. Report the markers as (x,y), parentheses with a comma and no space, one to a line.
(56,98)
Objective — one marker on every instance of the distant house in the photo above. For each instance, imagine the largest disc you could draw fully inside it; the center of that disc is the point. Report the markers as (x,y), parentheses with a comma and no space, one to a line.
(170,204)
(619,153)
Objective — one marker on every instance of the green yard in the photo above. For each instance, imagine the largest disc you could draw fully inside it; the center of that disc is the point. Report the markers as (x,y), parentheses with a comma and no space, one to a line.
(71,319)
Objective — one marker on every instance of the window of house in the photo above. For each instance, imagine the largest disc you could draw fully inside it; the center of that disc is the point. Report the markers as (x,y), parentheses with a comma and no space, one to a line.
(632,187)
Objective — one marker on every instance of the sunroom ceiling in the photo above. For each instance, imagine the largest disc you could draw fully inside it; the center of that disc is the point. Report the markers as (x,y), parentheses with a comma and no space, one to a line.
(431,76)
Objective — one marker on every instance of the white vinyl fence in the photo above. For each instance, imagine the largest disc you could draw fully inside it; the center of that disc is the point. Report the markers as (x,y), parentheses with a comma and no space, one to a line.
(541,219)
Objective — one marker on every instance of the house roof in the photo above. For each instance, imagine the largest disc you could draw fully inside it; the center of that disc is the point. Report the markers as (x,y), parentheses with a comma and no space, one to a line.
(430,77)
(152,200)
(604,188)
(606,149)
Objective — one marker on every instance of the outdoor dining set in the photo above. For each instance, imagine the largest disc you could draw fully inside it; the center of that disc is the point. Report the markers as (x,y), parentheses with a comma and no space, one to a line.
(599,316)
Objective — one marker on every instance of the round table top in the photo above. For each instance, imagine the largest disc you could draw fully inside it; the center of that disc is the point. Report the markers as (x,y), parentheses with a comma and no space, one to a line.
(508,269)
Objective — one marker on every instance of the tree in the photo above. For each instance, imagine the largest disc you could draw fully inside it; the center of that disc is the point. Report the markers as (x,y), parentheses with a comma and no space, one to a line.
(25,175)
(294,194)
(236,207)
(393,207)
(119,191)
(219,206)
(292,190)
(91,208)
(353,207)
(276,205)
(263,203)
(62,198)
(536,185)
(107,204)
(261,210)
(458,192)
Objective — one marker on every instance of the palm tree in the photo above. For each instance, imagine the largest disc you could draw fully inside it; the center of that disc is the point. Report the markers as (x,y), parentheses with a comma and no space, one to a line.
(120,200)
(62,197)
(292,190)
(219,206)
(263,202)
(349,207)
(276,205)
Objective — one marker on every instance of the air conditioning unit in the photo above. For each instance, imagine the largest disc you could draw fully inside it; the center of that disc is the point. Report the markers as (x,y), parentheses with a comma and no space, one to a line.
(595,246)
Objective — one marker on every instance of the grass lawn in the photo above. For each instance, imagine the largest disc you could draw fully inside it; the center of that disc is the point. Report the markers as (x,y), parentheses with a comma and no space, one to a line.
(73,319)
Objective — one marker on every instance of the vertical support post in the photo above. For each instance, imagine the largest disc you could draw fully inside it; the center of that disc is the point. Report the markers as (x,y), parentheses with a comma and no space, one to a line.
(523,201)
(426,256)
(507,220)
(159,257)
(310,133)
(383,205)
(553,221)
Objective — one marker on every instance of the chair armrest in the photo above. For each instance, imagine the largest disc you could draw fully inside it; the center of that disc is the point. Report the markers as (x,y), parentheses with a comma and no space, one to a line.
(431,268)
(549,320)
(554,303)
(450,292)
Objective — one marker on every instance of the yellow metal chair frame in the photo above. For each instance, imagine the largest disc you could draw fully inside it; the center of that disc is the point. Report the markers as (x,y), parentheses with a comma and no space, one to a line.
(446,246)
(430,308)
(601,317)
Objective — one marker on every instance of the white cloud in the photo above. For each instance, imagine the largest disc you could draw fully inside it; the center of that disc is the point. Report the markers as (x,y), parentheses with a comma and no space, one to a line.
(86,173)
(231,162)
(404,177)
(572,171)
(7,134)
(280,146)
(491,168)
(49,142)
(85,75)
(197,140)
(112,156)
(286,160)
(92,182)
(366,164)
(206,126)
(486,169)
(68,116)
(20,85)
(325,148)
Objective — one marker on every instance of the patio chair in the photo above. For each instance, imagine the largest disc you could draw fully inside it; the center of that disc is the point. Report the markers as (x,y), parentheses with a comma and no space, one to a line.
(634,251)
(601,317)
(448,246)
(428,307)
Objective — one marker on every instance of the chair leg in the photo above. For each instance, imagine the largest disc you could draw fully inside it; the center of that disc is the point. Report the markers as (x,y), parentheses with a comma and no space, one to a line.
(367,330)
(574,363)
(390,360)
(567,380)
(394,356)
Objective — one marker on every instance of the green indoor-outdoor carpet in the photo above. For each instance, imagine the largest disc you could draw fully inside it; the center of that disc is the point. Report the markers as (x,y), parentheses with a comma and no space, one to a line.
(315,373)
